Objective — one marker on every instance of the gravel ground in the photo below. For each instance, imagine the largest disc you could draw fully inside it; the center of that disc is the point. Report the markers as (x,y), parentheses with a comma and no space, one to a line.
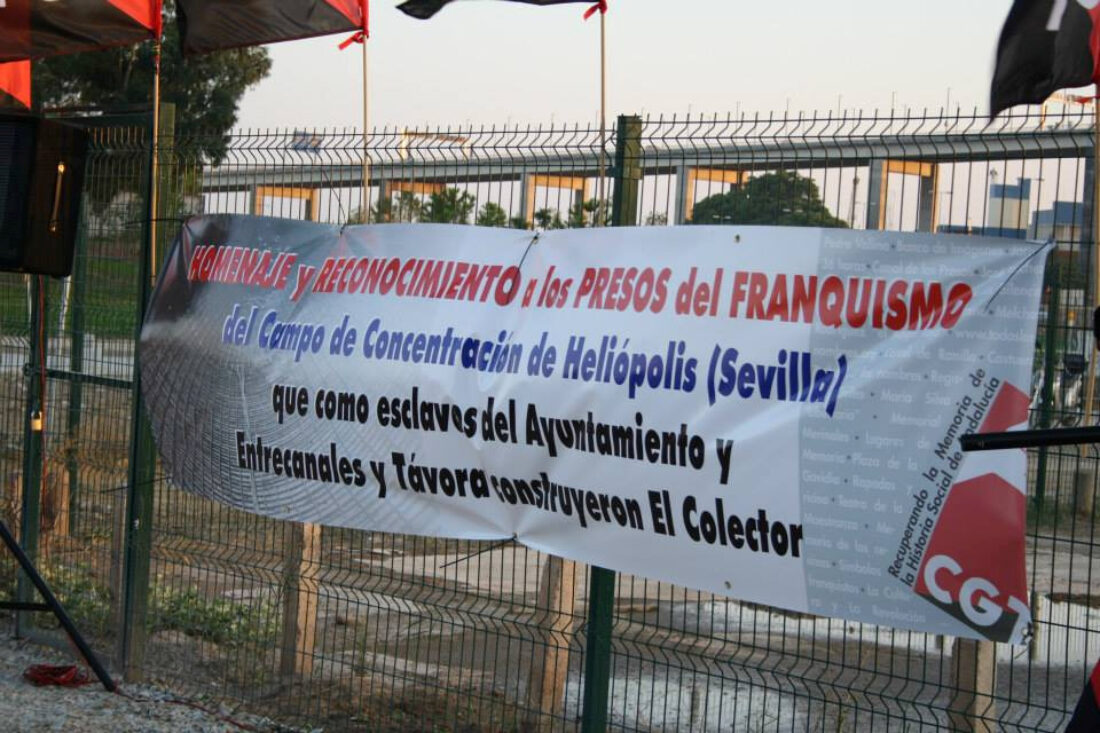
(25,707)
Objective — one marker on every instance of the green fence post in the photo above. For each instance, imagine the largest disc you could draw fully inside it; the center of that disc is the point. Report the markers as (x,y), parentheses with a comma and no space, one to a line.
(139,506)
(76,366)
(33,425)
(601,582)
(1049,348)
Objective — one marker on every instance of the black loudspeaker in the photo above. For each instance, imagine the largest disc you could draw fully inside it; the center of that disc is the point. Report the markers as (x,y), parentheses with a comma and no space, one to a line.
(41,179)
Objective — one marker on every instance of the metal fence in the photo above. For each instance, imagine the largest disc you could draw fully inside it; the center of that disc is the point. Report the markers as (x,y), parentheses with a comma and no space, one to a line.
(355,630)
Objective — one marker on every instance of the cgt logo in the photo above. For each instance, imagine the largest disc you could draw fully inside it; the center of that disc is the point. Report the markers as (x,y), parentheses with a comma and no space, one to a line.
(978,599)
(973,567)
(979,577)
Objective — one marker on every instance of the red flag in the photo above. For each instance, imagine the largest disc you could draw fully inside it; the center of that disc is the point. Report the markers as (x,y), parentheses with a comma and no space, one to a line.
(1045,45)
(210,25)
(32,29)
(425,9)
(15,84)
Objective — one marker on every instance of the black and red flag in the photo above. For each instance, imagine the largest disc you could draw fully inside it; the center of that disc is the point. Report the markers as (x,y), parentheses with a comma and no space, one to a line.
(15,84)
(1045,45)
(1086,716)
(211,25)
(425,9)
(31,29)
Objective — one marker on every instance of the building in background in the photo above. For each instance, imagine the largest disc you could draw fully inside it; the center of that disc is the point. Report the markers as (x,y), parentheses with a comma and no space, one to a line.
(1064,222)
(1009,210)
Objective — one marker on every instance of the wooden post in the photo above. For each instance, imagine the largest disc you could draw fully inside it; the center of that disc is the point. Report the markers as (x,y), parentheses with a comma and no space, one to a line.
(1084,491)
(300,596)
(546,684)
(974,678)
(117,575)
(57,501)
(1034,649)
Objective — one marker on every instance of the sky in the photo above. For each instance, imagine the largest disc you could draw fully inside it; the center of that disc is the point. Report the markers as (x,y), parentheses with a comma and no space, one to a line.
(493,63)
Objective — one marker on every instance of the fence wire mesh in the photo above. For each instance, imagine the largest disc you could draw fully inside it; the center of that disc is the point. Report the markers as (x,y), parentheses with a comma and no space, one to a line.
(352,630)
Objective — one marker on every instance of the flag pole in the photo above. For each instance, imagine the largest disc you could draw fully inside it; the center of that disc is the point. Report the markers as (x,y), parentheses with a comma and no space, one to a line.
(602,207)
(366,110)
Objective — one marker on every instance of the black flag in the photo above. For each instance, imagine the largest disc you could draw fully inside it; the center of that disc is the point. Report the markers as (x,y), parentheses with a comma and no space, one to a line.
(1045,45)
(210,25)
(34,29)
(425,9)
(1086,716)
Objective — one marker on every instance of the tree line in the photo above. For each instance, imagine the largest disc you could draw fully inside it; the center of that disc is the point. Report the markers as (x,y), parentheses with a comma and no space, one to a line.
(782,198)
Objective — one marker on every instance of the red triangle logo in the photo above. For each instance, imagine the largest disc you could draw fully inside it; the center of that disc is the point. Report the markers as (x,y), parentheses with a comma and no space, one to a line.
(15,80)
(146,12)
(352,9)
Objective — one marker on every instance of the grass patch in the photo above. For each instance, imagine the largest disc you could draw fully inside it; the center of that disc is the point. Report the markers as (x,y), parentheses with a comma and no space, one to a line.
(218,620)
(106,300)
(1060,516)
(110,297)
(7,582)
(84,598)
(215,619)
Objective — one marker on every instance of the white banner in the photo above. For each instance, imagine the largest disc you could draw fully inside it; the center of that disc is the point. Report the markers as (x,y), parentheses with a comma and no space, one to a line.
(767,413)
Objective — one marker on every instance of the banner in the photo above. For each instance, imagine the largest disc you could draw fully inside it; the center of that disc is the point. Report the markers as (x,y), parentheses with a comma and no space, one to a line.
(767,413)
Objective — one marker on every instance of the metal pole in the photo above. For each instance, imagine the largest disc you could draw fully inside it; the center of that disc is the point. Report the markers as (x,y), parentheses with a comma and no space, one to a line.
(1090,384)
(33,426)
(76,366)
(597,657)
(154,188)
(1047,393)
(53,605)
(601,582)
(138,530)
(1030,438)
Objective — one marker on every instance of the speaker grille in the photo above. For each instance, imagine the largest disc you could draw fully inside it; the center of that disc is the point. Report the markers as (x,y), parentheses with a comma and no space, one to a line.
(17,148)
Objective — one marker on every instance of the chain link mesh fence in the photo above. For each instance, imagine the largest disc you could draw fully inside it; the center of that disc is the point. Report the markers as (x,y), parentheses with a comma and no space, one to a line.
(355,630)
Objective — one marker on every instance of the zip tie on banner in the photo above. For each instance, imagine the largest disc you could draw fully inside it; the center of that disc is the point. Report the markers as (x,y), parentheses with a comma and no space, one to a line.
(530,244)
(482,551)
(1040,249)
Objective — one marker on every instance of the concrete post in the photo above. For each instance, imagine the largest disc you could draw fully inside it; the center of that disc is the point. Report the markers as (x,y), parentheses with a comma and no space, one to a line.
(876,195)
(684,193)
(928,199)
